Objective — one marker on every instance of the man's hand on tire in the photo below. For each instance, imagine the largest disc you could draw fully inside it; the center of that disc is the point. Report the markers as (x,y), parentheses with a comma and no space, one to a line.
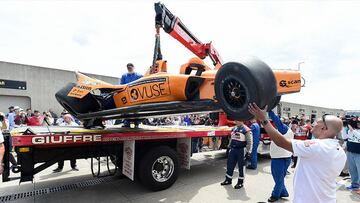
(260,114)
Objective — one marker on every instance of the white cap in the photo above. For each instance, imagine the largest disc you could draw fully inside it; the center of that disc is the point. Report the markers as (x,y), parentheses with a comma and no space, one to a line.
(16,107)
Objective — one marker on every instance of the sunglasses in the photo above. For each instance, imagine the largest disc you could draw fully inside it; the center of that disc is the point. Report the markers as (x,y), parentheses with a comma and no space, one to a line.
(323,119)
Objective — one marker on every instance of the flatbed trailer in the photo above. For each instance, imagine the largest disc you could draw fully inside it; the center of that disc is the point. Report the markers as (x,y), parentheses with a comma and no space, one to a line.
(153,155)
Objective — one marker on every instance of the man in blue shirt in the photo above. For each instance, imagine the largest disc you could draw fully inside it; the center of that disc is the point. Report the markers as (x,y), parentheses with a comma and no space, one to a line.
(126,78)
(130,76)
(255,129)
(11,116)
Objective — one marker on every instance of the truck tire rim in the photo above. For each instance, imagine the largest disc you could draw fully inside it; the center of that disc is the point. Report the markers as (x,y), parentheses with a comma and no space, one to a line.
(162,169)
(234,92)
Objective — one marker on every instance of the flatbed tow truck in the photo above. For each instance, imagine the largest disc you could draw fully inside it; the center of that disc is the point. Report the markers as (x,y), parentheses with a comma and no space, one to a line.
(153,155)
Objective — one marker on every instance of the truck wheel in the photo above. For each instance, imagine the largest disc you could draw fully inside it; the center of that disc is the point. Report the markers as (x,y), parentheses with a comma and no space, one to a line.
(238,84)
(74,105)
(158,169)
(274,102)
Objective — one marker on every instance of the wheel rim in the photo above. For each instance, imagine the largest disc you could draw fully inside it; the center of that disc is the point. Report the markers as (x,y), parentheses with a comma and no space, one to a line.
(162,169)
(234,92)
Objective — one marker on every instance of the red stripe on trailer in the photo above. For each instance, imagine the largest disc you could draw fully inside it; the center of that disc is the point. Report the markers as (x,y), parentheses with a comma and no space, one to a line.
(88,138)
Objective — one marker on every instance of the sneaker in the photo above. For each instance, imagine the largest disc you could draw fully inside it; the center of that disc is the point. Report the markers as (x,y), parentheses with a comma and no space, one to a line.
(75,168)
(342,174)
(352,188)
(273,199)
(250,167)
(238,186)
(57,170)
(226,182)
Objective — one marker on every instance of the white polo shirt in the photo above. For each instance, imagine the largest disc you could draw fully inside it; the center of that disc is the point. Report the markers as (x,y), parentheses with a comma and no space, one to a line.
(320,162)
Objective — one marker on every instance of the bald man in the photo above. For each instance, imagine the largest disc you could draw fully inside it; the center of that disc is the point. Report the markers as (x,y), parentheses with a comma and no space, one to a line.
(320,160)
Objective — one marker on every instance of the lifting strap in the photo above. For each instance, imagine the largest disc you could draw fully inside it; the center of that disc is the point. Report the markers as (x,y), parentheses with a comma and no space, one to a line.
(157,49)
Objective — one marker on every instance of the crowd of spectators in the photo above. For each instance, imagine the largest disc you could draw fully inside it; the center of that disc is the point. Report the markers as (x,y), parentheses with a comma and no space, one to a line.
(18,117)
(187,120)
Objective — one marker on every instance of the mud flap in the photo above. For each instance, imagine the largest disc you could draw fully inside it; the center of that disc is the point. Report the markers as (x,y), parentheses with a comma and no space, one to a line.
(183,148)
(129,159)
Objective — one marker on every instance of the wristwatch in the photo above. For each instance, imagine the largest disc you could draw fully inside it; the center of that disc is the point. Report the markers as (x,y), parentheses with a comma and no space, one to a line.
(264,122)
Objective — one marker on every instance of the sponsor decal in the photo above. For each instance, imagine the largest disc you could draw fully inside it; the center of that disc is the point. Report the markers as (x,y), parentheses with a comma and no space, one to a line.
(183,148)
(52,139)
(129,159)
(134,94)
(83,87)
(124,100)
(149,89)
(128,152)
(282,83)
(289,83)
(79,91)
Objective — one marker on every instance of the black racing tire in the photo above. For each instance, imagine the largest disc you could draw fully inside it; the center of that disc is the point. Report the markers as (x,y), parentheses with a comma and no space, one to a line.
(74,105)
(150,162)
(238,84)
(274,102)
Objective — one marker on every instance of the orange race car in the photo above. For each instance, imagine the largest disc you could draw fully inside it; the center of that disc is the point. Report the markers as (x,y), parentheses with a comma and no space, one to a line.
(197,88)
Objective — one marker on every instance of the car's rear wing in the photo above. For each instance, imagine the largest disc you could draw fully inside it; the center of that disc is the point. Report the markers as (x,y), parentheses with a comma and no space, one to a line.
(288,81)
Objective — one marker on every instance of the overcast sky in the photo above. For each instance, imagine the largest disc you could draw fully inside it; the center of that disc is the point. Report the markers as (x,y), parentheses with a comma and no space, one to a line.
(102,36)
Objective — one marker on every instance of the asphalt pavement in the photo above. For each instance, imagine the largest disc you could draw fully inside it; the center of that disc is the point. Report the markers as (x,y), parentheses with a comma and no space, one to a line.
(200,184)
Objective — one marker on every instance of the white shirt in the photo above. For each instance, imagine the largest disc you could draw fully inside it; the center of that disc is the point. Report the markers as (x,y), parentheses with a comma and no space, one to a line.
(354,136)
(278,152)
(320,162)
(68,124)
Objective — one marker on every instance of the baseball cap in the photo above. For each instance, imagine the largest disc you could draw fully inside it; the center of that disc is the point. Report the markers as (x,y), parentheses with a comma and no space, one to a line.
(16,107)
(129,65)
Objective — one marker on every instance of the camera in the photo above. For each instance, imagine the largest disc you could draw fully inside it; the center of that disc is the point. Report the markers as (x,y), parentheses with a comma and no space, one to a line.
(2,118)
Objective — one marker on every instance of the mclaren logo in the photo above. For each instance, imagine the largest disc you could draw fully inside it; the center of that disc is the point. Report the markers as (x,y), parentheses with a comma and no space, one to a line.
(289,83)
